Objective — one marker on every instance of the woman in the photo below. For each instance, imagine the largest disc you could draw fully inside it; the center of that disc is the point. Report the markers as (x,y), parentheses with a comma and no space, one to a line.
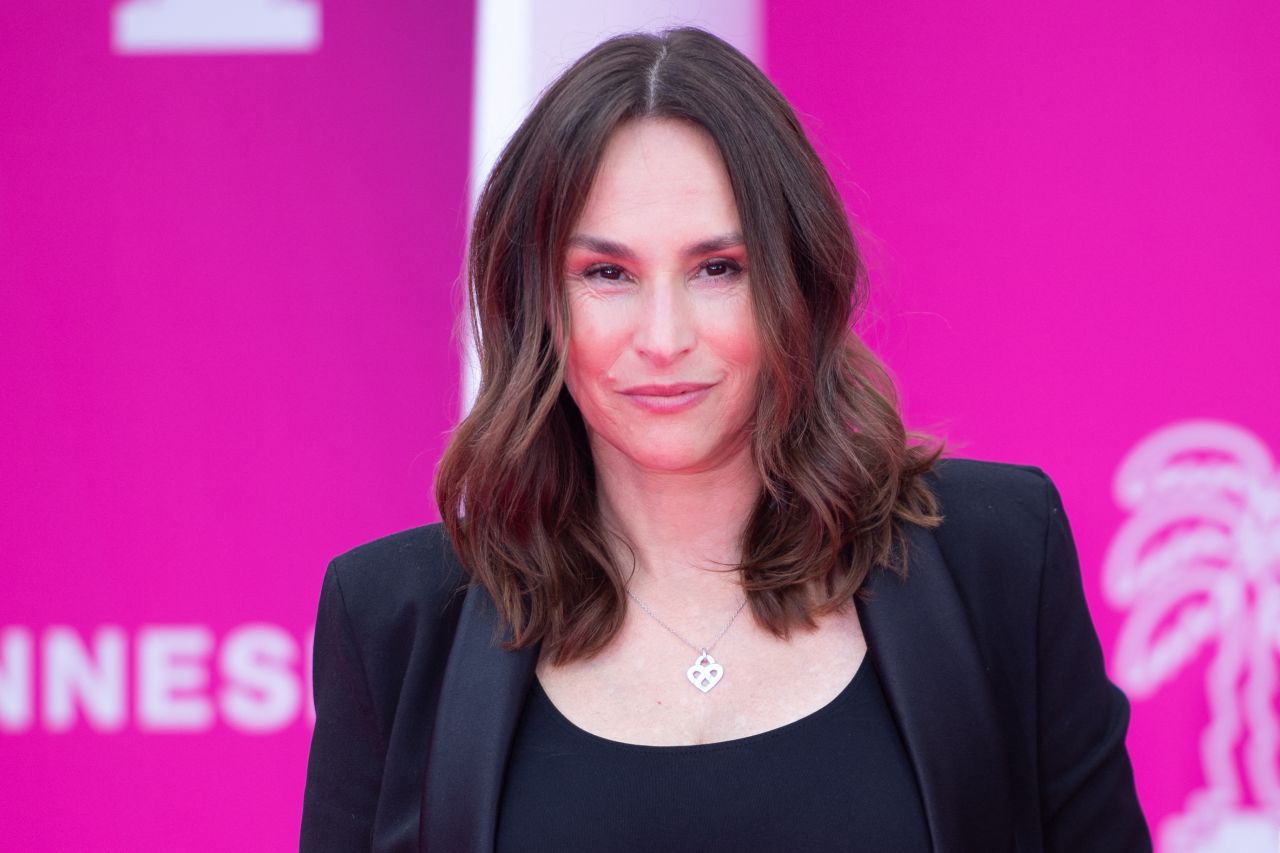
(695,587)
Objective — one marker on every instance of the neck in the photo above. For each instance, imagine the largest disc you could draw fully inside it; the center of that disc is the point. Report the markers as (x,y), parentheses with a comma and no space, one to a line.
(684,528)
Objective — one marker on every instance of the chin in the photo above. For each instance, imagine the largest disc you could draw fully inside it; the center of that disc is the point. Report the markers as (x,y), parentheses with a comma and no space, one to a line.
(672,448)
(684,456)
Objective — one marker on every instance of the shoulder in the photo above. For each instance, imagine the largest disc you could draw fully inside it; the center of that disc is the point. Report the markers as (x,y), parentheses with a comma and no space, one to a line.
(386,619)
(992,508)
(1000,522)
(401,578)
(979,487)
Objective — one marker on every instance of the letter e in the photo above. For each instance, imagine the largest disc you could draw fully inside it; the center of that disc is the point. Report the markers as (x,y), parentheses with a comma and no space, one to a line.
(172,678)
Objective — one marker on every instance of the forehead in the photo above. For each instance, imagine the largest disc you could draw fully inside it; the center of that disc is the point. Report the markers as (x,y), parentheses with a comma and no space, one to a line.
(659,175)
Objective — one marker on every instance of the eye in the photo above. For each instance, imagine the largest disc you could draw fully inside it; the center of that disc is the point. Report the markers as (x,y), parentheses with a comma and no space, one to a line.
(722,268)
(604,272)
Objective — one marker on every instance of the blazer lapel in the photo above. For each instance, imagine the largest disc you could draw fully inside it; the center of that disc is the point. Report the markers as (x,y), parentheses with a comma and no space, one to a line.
(481,697)
(920,641)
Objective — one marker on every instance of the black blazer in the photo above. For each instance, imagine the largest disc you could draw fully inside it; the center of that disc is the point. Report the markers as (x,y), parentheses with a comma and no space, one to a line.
(988,656)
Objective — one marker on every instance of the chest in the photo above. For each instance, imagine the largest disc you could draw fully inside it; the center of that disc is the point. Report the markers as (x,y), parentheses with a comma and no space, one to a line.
(637,691)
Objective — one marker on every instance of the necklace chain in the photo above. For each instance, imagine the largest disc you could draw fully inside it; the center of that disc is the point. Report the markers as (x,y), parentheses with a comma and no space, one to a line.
(699,649)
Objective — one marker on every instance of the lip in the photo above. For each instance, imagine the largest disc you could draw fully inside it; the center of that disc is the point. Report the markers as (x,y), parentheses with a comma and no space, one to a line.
(669,398)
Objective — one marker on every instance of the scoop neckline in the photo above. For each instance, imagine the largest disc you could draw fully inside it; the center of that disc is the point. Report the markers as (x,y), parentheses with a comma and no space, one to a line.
(778,731)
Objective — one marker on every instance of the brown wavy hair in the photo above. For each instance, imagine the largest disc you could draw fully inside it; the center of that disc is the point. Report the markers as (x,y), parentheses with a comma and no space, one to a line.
(516,486)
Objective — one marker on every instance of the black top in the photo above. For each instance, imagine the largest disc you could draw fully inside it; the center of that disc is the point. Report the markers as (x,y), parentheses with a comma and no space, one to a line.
(838,779)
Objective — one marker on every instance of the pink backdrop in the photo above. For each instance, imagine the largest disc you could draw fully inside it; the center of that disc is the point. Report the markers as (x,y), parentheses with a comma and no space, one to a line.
(227,291)
(226,335)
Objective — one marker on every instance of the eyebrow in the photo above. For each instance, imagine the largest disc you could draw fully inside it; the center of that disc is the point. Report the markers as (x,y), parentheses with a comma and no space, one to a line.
(708,246)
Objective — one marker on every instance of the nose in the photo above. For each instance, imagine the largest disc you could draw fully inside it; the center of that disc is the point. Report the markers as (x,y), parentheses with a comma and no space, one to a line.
(666,327)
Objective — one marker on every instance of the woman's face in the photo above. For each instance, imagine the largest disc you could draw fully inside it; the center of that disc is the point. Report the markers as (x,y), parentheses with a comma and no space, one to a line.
(663,347)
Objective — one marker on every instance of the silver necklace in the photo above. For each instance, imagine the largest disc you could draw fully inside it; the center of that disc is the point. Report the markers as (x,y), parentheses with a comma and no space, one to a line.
(705,672)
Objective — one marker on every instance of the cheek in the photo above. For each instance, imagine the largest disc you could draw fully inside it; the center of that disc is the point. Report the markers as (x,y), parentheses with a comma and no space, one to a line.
(737,337)
(597,326)
(595,343)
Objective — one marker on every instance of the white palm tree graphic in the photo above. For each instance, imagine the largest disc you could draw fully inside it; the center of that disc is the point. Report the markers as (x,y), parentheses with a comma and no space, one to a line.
(1197,563)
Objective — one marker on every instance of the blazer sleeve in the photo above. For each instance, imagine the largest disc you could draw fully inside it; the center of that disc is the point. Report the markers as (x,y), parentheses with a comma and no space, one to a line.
(348,747)
(1087,795)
